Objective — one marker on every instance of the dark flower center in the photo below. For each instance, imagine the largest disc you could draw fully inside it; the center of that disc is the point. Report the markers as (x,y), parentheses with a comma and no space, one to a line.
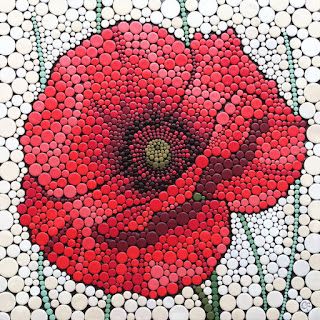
(153,153)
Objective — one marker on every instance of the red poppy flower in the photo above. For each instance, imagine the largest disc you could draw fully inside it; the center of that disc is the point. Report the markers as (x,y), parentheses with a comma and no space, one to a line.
(139,149)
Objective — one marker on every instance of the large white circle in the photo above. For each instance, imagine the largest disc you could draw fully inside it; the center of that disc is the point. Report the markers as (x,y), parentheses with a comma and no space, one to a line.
(7,45)
(5,92)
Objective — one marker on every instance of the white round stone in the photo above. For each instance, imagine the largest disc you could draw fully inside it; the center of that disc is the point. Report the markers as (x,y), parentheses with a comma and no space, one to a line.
(142,313)
(94,313)
(7,127)
(154,4)
(314,314)
(170,8)
(50,21)
(140,4)
(301,268)
(9,171)
(313,5)
(244,301)
(8,267)
(168,302)
(122,7)
(24,46)
(39,315)
(255,290)
(6,238)
(118,314)
(228,302)
(279,5)
(275,299)
(187,292)
(297,3)
(255,313)
(312,92)
(313,133)
(7,45)
(64,297)
(5,92)
(314,191)
(58,7)
(312,164)
(282,19)
(3,284)
(7,5)
(197,313)
(75,4)
(178,312)
(20,313)
(307,109)
(156,17)
(225,12)
(7,301)
(4,155)
(312,243)
(195,19)
(314,210)
(63,312)
(208,7)
(301,18)
(312,74)
(266,14)
(131,305)
(117,300)
(160,313)
(7,74)
(299,316)
(313,280)
(6,220)
(249,8)
(310,47)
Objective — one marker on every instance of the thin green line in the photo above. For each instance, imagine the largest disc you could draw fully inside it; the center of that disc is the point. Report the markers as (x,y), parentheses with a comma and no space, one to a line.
(43,289)
(294,244)
(99,19)
(257,259)
(42,73)
(108,307)
(215,296)
(295,104)
(185,26)
(206,306)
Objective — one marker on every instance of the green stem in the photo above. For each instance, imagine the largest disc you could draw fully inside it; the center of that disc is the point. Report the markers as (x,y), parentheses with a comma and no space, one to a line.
(294,244)
(42,73)
(98,19)
(295,104)
(185,26)
(215,296)
(43,289)
(108,307)
(257,259)
(212,310)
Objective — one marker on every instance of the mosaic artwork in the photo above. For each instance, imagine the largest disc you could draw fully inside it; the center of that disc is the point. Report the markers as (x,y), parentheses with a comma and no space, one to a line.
(159,159)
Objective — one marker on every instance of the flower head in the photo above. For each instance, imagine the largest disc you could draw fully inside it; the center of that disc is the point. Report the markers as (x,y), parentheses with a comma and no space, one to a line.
(139,149)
